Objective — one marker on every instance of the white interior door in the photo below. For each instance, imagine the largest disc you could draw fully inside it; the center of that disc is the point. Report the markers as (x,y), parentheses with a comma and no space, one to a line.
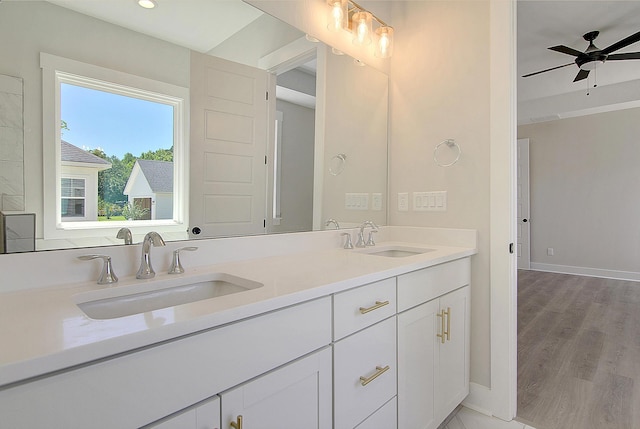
(229,136)
(524,222)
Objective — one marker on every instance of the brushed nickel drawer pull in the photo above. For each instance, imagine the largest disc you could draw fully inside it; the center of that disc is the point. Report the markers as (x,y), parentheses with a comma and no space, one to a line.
(379,371)
(379,304)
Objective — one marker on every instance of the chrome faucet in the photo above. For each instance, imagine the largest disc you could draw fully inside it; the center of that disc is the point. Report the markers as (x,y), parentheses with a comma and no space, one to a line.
(125,234)
(146,270)
(332,221)
(369,242)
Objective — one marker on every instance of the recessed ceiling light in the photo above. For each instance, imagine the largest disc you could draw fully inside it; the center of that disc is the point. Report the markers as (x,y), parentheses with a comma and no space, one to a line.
(147,4)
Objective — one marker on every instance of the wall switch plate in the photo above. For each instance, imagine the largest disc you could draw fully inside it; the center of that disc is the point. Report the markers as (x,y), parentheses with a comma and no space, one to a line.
(403,201)
(430,201)
(376,201)
(356,201)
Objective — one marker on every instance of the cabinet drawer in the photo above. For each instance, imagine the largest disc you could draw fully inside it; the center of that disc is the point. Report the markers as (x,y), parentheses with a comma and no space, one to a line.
(358,359)
(424,285)
(385,417)
(358,308)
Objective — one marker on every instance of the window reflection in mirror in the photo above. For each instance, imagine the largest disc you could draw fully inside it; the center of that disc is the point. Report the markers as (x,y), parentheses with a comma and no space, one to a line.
(127,142)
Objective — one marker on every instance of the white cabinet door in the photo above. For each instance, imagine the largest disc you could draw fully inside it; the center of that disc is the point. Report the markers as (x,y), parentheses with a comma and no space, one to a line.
(433,360)
(203,416)
(417,349)
(452,376)
(295,396)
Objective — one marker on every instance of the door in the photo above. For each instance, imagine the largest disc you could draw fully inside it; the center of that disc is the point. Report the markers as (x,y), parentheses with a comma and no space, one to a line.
(295,396)
(229,136)
(417,348)
(452,373)
(524,229)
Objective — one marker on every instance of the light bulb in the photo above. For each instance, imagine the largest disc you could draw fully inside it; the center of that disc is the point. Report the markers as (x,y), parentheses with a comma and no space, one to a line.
(336,15)
(362,28)
(384,49)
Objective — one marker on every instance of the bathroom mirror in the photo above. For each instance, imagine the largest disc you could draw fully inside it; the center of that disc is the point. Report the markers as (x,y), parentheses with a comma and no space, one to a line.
(350,114)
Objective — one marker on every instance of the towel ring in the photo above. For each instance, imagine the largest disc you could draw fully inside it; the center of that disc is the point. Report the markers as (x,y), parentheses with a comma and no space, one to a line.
(450,143)
(337,163)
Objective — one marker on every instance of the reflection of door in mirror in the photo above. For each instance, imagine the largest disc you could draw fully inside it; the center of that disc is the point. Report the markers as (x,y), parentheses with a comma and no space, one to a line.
(229,137)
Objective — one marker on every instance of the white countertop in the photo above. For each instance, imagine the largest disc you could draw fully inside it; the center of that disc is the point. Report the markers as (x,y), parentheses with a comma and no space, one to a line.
(43,330)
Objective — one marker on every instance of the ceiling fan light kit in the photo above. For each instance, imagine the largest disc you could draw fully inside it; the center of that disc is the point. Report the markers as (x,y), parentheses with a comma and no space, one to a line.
(593,56)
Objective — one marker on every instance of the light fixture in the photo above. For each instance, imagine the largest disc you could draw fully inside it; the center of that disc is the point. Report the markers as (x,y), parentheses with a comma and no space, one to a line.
(147,4)
(361,27)
(310,38)
(349,15)
(384,48)
(338,15)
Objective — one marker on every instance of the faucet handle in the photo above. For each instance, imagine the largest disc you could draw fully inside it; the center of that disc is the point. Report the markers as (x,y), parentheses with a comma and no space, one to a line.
(176,266)
(107,276)
(348,244)
(370,241)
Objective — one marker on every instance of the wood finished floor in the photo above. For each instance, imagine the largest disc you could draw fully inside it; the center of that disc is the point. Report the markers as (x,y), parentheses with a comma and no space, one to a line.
(578,352)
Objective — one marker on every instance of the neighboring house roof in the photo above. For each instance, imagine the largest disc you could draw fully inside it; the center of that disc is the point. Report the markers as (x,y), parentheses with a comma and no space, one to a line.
(71,153)
(159,174)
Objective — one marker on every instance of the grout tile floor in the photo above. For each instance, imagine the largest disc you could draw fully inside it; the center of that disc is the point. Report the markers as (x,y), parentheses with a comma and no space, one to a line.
(466,418)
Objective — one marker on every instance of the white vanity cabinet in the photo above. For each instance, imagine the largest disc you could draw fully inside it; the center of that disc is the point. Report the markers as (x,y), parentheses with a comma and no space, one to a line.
(205,415)
(146,385)
(433,343)
(295,396)
(365,360)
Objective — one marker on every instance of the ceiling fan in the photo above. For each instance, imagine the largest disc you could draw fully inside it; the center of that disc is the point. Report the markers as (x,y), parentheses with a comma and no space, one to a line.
(592,56)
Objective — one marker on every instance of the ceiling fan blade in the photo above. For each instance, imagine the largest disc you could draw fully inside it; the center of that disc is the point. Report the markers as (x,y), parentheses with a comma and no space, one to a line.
(566,50)
(582,74)
(543,71)
(625,56)
(622,43)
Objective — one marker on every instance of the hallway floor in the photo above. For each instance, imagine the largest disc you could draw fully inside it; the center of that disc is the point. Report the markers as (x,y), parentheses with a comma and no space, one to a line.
(578,351)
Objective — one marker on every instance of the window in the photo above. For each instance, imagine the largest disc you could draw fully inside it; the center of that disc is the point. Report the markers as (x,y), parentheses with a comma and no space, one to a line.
(73,201)
(120,147)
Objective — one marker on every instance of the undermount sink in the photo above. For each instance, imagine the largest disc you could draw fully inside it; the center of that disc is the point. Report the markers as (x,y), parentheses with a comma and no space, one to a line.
(395,251)
(132,299)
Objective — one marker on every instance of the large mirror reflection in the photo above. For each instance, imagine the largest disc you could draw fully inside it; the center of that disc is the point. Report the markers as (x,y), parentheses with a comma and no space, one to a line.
(195,119)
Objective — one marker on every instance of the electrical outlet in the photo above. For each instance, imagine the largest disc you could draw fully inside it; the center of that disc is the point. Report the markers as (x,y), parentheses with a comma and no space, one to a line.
(549,251)
(403,201)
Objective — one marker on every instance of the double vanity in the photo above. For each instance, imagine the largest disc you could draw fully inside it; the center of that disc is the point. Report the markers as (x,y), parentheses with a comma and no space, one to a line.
(299,333)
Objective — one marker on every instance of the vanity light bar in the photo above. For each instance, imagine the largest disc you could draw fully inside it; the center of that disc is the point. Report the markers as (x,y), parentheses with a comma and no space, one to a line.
(347,14)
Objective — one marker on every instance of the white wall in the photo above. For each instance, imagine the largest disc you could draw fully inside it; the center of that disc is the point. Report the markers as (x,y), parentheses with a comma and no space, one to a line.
(28,28)
(439,90)
(355,115)
(585,198)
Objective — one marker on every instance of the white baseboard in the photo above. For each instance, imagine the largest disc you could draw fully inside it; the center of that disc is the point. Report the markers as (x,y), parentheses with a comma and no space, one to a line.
(584,271)
(479,399)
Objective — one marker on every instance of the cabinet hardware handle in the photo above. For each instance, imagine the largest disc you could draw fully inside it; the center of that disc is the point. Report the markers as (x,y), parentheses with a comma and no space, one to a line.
(237,424)
(442,327)
(379,371)
(379,304)
(448,331)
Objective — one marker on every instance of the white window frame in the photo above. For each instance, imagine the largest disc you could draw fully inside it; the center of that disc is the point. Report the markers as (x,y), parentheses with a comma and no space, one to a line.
(57,70)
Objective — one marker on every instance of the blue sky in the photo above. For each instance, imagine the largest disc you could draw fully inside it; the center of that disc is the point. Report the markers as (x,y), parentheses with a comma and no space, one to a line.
(114,123)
